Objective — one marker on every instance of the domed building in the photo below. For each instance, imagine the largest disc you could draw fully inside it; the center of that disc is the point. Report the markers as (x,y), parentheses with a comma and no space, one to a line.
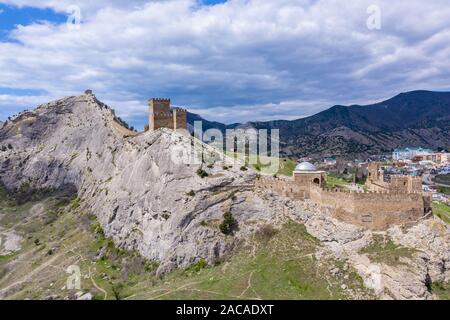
(306,176)
(305,166)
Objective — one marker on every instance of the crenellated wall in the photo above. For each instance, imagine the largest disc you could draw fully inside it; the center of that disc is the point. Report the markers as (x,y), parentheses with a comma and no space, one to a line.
(377,210)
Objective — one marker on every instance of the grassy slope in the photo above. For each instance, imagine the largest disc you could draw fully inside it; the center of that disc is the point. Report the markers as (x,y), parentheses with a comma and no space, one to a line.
(272,265)
(278,265)
(286,165)
(334,181)
(442,211)
(383,250)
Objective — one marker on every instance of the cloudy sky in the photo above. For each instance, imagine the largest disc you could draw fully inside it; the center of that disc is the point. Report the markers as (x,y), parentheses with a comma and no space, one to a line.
(230,61)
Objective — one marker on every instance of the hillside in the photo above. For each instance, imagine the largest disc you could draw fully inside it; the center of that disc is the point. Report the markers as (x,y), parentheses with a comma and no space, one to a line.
(78,189)
(418,118)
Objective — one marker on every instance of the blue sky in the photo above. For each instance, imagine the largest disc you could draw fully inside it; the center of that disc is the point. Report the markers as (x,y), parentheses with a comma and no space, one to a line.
(230,61)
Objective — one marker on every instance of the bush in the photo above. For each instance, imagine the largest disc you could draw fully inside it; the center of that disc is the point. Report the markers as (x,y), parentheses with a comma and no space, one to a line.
(265,233)
(202,173)
(4,148)
(9,146)
(191,193)
(244,168)
(228,224)
(200,265)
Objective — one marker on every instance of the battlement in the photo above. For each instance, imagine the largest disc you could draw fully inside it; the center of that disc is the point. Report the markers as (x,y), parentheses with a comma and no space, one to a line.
(159,99)
(180,110)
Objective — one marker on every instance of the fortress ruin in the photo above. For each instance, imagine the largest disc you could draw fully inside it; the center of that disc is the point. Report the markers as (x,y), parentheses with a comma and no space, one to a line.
(161,115)
(384,203)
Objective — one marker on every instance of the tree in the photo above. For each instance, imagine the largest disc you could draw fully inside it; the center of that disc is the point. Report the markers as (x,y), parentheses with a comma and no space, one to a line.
(228,224)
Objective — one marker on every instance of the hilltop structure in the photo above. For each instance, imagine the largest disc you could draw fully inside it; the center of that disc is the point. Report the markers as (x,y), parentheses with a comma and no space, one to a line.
(161,115)
(381,205)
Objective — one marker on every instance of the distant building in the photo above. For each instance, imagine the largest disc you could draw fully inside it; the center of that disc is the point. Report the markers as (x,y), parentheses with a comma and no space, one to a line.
(439,157)
(409,153)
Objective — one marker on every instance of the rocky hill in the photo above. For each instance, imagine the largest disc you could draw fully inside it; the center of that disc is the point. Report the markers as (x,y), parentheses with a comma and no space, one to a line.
(79,188)
(144,199)
(417,118)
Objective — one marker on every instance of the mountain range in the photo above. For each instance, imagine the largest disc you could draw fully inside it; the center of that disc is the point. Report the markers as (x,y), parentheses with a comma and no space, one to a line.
(416,118)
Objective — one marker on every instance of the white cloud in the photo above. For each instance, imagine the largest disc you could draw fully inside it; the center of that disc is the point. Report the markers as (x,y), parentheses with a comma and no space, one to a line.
(245,59)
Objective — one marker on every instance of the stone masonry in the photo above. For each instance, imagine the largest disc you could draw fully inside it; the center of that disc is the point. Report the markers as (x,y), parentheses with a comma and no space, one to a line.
(400,201)
(161,115)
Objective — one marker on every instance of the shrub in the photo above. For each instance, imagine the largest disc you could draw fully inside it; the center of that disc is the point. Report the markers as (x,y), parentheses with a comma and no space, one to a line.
(200,265)
(244,168)
(117,289)
(191,193)
(9,146)
(165,216)
(228,224)
(265,233)
(3,148)
(202,173)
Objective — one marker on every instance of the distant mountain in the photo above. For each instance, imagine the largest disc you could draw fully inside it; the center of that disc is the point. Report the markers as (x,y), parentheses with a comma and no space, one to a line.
(417,118)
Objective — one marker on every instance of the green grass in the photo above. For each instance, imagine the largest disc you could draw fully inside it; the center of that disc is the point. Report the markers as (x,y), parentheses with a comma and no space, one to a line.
(334,181)
(274,264)
(441,290)
(442,211)
(282,266)
(259,163)
(383,250)
(444,190)
(59,236)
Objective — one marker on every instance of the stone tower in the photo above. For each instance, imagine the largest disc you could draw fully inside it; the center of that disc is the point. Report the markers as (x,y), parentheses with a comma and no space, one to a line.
(161,115)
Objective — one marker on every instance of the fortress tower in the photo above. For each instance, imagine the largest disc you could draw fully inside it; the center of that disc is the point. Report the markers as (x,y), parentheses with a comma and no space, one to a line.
(161,115)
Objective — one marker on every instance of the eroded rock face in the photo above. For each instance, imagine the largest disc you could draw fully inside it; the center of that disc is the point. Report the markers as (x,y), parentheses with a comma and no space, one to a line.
(144,198)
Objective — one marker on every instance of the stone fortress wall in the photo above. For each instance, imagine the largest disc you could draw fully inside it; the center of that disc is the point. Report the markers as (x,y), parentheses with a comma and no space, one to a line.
(161,115)
(398,203)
